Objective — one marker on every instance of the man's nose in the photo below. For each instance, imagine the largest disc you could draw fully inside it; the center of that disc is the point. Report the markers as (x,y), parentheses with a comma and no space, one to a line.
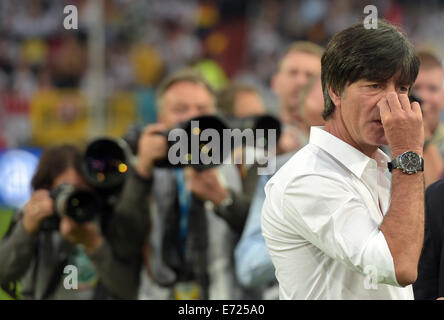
(301,80)
(391,87)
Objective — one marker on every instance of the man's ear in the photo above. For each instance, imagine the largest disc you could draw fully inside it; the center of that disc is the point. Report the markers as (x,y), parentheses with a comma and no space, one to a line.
(334,96)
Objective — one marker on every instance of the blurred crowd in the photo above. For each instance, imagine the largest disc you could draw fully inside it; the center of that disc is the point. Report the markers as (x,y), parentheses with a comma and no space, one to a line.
(45,70)
(248,58)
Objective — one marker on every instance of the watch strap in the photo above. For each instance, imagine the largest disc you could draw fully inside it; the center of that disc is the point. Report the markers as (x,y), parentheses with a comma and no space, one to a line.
(394,164)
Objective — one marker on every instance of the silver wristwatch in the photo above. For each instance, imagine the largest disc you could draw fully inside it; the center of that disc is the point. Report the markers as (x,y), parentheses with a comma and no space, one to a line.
(409,162)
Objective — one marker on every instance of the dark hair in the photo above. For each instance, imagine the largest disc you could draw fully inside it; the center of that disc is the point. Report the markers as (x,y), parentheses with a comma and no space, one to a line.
(373,54)
(53,162)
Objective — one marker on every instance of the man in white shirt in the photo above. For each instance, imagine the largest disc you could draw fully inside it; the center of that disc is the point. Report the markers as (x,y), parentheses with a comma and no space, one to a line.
(337,222)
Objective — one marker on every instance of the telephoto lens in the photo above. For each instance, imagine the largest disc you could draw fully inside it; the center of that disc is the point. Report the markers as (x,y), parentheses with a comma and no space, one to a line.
(185,143)
(106,162)
(79,204)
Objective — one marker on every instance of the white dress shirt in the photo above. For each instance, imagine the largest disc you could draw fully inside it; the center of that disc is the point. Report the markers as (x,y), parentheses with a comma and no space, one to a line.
(320,221)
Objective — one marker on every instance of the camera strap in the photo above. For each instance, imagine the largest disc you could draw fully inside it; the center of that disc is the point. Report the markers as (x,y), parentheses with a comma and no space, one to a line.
(184,207)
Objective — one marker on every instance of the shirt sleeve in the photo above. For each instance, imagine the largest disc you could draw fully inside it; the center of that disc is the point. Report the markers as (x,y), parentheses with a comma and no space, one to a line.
(17,250)
(333,218)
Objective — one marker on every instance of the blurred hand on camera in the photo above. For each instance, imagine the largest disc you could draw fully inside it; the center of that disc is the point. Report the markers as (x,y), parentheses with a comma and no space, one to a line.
(206,185)
(39,207)
(290,140)
(151,147)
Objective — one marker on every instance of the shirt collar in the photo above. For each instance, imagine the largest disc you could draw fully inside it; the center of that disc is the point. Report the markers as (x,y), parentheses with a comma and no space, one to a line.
(353,159)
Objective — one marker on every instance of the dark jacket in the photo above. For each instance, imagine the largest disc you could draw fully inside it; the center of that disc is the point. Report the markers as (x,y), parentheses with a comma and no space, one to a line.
(208,258)
(38,261)
(430,281)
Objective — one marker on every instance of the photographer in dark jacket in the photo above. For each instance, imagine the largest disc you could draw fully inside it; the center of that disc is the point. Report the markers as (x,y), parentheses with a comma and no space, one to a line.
(106,267)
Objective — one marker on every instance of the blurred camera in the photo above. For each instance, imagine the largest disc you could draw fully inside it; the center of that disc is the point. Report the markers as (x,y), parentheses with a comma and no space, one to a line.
(191,132)
(259,122)
(194,130)
(78,204)
(187,137)
(106,162)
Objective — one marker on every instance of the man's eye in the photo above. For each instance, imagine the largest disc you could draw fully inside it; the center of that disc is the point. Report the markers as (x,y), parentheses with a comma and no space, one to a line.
(433,89)
(403,89)
(375,86)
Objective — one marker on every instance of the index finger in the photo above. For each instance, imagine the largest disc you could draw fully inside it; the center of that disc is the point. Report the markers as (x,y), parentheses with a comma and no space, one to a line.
(394,102)
(405,101)
(384,108)
(416,107)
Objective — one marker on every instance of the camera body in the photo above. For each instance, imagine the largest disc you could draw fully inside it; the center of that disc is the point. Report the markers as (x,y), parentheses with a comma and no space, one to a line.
(106,162)
(193,142)
(79,204)
(185,141)
(104,165)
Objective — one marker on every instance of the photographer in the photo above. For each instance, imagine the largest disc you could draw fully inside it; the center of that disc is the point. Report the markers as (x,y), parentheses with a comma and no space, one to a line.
(190,249)
(36,254)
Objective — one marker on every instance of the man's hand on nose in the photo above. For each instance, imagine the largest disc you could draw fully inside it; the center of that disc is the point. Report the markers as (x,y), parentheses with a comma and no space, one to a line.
(402,122)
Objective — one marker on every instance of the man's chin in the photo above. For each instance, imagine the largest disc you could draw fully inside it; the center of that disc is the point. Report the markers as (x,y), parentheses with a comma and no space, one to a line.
(378,139)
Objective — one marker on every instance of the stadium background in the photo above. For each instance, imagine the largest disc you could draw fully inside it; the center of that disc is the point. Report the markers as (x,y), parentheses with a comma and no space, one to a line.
(59,85)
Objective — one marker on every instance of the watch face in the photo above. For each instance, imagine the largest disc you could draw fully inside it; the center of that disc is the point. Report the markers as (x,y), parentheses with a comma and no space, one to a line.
(410,162)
